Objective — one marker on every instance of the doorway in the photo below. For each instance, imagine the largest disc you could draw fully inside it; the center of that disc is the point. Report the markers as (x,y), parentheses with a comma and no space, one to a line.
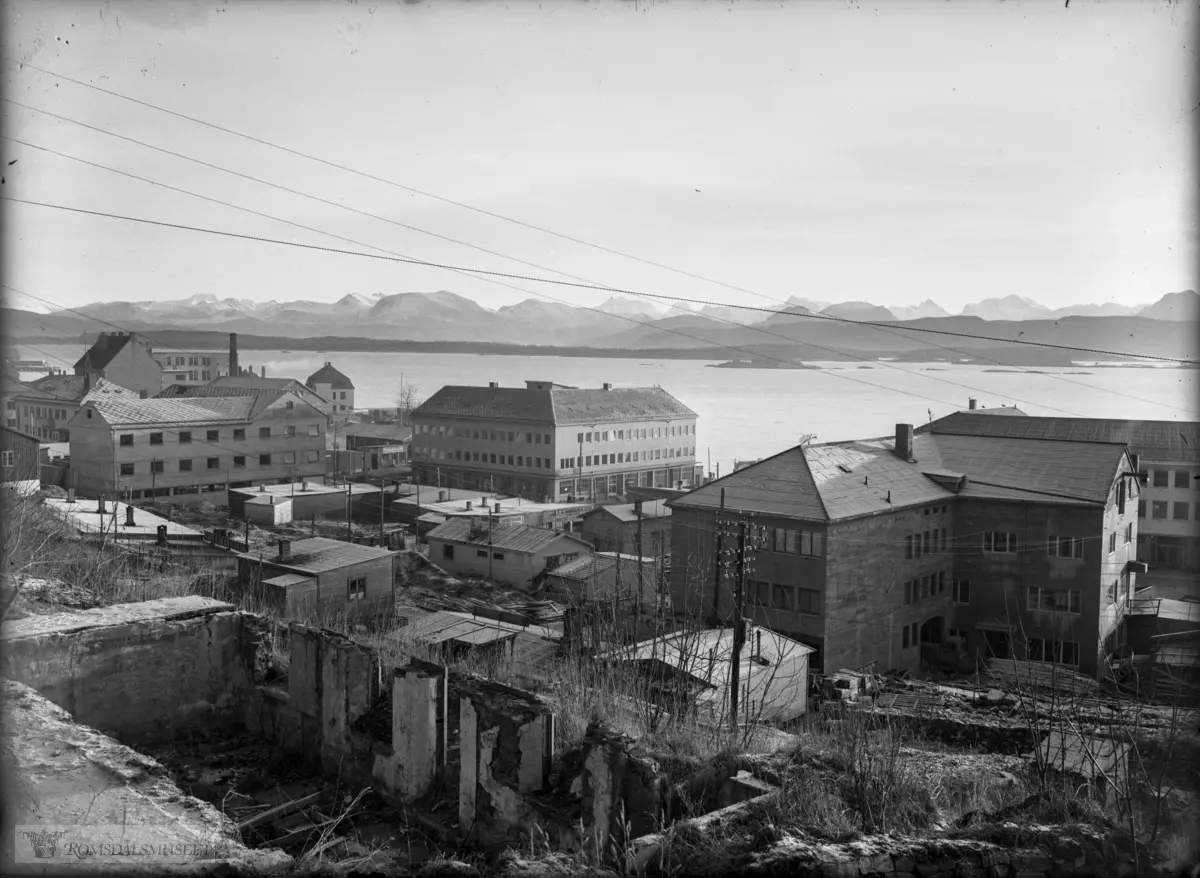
(996,645)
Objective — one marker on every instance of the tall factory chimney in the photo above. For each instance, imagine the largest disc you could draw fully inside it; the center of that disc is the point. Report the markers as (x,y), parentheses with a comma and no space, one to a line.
(233,358)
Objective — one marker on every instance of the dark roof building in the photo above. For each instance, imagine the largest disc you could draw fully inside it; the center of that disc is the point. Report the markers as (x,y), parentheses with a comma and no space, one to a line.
(547,403)
(330,376)
(123,358)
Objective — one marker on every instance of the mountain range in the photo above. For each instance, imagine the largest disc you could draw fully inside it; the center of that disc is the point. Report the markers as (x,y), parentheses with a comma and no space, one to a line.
(638,324)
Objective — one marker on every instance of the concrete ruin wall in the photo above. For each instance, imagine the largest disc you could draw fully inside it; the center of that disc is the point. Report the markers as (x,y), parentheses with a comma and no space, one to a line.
(140,672)
(625,793)
(60,775)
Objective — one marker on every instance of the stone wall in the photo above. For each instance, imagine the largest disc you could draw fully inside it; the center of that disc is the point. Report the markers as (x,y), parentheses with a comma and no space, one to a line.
(140,672)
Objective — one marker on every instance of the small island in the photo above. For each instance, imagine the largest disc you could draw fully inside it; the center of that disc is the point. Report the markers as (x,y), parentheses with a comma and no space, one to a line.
(759,364)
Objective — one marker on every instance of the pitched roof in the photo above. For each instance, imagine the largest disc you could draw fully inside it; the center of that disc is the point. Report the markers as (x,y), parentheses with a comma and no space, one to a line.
(593,564)
(503,536)
(1050,470)
(74,389)
(1177,441)
(780,485)
(627,512)
(122,412)
(552,404)
(331,376)
(377,431)
(317,555)
(255,382)
(103,350)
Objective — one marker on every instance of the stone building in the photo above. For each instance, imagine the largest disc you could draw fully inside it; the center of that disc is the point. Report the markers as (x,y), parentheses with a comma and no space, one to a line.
(866,550)
(548,442)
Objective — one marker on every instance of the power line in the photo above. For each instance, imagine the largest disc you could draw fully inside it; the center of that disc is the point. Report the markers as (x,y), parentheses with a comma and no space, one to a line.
(889,331)
(485,273)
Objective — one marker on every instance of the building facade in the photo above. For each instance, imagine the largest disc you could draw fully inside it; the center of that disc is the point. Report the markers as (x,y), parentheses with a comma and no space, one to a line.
(618,528)
(550,442)
(513,554)
(335,387)
(869,551)
(187,450)
(124,359)
(191,367)
(43,408)
(20,460)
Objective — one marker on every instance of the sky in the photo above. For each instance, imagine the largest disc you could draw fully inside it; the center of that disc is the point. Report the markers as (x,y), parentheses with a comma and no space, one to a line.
(891,153)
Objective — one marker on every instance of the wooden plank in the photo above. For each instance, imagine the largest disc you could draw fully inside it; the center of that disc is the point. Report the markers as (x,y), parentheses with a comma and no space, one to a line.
(280,810)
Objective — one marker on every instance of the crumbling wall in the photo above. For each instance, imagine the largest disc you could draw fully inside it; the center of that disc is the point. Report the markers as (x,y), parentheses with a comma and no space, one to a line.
(506,740)
(625,792)
(140,672)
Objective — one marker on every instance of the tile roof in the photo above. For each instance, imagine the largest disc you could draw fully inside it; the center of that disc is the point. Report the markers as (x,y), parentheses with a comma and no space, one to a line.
(1177,441)
(504,536)
(331,376)
(627,511)
(317,555)
(554,404)
(1062,471)
(121,412)
(103,350)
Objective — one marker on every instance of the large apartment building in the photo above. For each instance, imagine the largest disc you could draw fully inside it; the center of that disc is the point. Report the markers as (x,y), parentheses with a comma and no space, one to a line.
(43,408)
(191,449)
(869,550)
(551,442)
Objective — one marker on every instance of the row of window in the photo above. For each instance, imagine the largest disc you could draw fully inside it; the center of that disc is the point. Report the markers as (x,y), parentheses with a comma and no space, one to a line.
(1162,478)
(483,435)
(924,587)
(1055,600)
(184,437)
(194,375)
(934,510)
(448,553)
(186,465)
(787,541)
(38,411)
(626,457)
(483,457)
(1158,509)
(6,458)
(187,360)
(789,598)
(926,542)
(637,433)
(1112,538)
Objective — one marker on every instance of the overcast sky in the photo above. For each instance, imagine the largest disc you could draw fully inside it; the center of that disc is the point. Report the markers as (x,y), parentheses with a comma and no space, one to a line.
(837,151)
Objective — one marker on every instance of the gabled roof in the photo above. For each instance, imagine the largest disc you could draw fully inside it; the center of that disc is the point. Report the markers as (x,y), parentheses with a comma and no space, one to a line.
(120,412)
(627,512)
(103,350)
(1177,441)
(250,383)
(74,389)
(317,555)
(503,536)
(331,376)
(552,404)
(781,485)
(593,564)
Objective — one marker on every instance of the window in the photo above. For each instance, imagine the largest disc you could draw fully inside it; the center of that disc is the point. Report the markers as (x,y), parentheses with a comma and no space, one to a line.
(264,460)
(156,466)
(289,432)
(1161,478)
(156,439)
(313,457)
(908,547)
(185,466)
(905,638)
(925,589)
(1141,509)
(808,601)
(999,541)
(213,463)
(126,468)
(960,591)
(1129,533)
(812,544)
(290,404)
(1112,542)
(239,462)
(1181,478)
(127,439)
(1064,547)
(1064,652)
(239,435)
(497,556)
(289,457)
(908,592)
(314,430)
(357,589)
(782,597)
(1158,509)
(448,552)
(185,438)
(1055,600)
(264,432)
(941,581)
(785,540)
(1181,512)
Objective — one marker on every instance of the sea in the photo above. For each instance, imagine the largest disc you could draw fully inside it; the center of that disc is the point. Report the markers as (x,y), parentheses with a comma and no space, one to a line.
(747,414)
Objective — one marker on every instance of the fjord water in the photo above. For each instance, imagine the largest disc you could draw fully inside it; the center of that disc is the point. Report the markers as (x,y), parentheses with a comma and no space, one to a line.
(752,413)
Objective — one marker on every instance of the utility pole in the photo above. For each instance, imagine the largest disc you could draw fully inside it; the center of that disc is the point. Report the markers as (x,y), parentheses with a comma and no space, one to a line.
(739,628)
(382,491)
(489,544)
(349,527)
(641,579)
(716,599)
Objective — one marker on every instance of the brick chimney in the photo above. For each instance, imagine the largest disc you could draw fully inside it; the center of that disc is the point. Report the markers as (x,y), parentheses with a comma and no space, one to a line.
(128,515)
(285,550)
(972,403)
(904,441)
(234,369)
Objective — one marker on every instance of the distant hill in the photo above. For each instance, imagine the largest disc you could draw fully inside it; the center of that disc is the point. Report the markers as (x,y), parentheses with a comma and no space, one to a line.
(1010,307)
(1174,306)
(860,311)
(928,308)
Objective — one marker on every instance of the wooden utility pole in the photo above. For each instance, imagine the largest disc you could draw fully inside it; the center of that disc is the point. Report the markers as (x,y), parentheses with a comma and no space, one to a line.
(716,599)
(739,628)
(349,527)
(637,508)
(382,491)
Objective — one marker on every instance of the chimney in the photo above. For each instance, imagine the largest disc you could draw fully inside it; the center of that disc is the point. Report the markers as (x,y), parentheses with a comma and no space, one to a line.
(143,394)
(904,441)
(303,485)
(493,384)
(262,488)
(285,550)
(972,403)
(100,508)
(608,386)
(234,369)
(87,381)
(263,370)
(128,515)
(469,505)
(162,535)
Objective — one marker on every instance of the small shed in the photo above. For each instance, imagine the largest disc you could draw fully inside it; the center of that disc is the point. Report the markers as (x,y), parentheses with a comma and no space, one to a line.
(269,509)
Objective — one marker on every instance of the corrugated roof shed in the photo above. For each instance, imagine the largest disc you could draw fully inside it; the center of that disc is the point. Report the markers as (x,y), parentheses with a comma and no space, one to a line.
(317,555)
(503,536)
(554,404)
(1176,441)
